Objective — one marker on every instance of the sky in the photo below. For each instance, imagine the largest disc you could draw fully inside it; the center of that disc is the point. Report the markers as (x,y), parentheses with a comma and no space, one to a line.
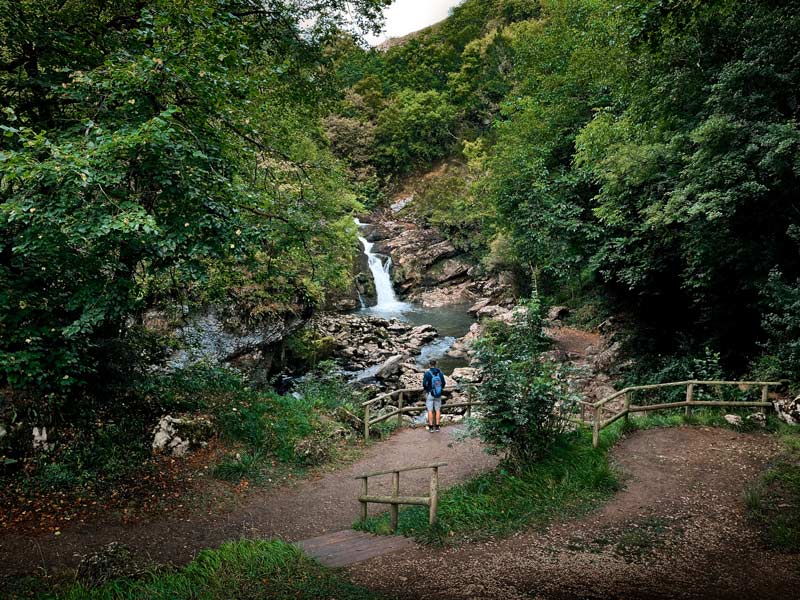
(405,16)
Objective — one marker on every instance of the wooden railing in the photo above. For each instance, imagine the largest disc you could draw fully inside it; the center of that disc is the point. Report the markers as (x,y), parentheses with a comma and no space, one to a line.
(400,398)
(597,421)
(395,500)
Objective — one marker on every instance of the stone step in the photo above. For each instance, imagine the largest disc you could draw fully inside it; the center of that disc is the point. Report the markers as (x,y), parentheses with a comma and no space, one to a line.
(343,548)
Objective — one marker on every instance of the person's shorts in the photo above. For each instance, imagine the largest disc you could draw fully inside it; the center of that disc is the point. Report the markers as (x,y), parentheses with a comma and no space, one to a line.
(433,404)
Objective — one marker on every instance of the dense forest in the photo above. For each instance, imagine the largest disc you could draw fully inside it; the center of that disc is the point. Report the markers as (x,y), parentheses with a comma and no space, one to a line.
(641,153)
(160,154)
(641,157)
(633,165)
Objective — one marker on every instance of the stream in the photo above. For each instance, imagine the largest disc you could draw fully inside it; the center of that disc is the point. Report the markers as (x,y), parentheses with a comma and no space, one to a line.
(451,322)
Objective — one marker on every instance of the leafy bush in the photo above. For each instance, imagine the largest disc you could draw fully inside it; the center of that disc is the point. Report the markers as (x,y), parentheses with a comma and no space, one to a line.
(98,456)
(296,429)
(522,395)
(245,465)
(781,322)
(649,369)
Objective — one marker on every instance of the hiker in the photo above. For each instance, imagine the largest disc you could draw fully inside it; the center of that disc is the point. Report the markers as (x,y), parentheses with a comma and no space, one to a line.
(433,384)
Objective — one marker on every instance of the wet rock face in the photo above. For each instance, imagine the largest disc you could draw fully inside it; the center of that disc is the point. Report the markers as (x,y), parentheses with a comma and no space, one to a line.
(214,338)
(428,270)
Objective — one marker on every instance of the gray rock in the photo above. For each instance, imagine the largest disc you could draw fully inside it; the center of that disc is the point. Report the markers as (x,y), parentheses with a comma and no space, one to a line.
(734,420)
(490,311)
(210,337)
(557,313)
(788,410)
(605,359)
(466,375)
(40,439)
(482,303)
(176,436)
(391,366)
(401,203)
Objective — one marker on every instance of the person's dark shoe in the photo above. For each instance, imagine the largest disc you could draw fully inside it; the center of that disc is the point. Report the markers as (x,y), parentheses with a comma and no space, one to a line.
(431,428)
(436,428)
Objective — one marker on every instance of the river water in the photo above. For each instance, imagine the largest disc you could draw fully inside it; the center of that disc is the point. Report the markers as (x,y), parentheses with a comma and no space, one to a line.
(452,321)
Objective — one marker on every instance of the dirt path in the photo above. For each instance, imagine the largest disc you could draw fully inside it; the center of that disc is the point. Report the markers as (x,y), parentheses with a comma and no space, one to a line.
(678,530)
(573,342)
(307,509)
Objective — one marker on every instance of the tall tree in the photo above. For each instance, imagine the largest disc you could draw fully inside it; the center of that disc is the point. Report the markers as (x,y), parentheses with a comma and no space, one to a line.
(147,143)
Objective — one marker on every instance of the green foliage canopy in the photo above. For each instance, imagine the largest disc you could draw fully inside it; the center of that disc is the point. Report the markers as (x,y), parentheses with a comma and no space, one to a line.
(145,144)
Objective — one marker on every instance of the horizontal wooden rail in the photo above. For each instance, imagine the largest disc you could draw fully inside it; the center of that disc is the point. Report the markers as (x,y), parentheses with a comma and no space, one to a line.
(403,470)
(399,396)
(597,422)
(414,500)
(655,386)
(409,391)
(395,500)
(419,409)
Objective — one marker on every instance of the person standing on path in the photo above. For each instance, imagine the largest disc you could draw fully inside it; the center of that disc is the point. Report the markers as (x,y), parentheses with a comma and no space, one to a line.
(433,383)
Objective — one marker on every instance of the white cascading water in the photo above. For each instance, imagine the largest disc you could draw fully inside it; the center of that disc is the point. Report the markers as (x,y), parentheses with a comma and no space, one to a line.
(387,299)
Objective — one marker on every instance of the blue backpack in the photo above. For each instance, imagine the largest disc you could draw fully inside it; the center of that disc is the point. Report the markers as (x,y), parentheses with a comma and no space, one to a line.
(437,383)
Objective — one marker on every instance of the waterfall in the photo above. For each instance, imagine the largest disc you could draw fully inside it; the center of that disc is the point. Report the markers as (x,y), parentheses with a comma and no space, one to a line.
(381,275)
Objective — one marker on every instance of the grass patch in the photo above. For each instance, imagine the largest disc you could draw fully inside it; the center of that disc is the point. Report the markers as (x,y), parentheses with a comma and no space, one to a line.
(773,502)
(702,417)
(573,478)
(244,570)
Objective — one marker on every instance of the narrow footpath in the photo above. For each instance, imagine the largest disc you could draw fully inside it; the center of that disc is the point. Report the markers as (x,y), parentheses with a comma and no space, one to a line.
(308,509)
(677,531)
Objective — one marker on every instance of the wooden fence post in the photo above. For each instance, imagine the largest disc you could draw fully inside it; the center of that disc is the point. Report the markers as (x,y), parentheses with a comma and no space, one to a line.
(627,404)
(596,428)
(366,422)
(764,397)
(434,496)
(395,507)
(689,399)
(400,409)
(364,490)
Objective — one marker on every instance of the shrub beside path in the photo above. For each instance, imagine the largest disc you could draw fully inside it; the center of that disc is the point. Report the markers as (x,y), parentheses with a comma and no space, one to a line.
(677,530)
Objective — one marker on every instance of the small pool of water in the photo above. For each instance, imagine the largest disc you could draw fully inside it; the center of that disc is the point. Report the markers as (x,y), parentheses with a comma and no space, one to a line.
(452,322)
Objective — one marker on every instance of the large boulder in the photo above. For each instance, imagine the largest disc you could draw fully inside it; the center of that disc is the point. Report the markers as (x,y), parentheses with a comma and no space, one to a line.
(466,375)
(176,436)
(605,359)
(482,303)
(419,336)
(391,366)
(444,295)
(490,311)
